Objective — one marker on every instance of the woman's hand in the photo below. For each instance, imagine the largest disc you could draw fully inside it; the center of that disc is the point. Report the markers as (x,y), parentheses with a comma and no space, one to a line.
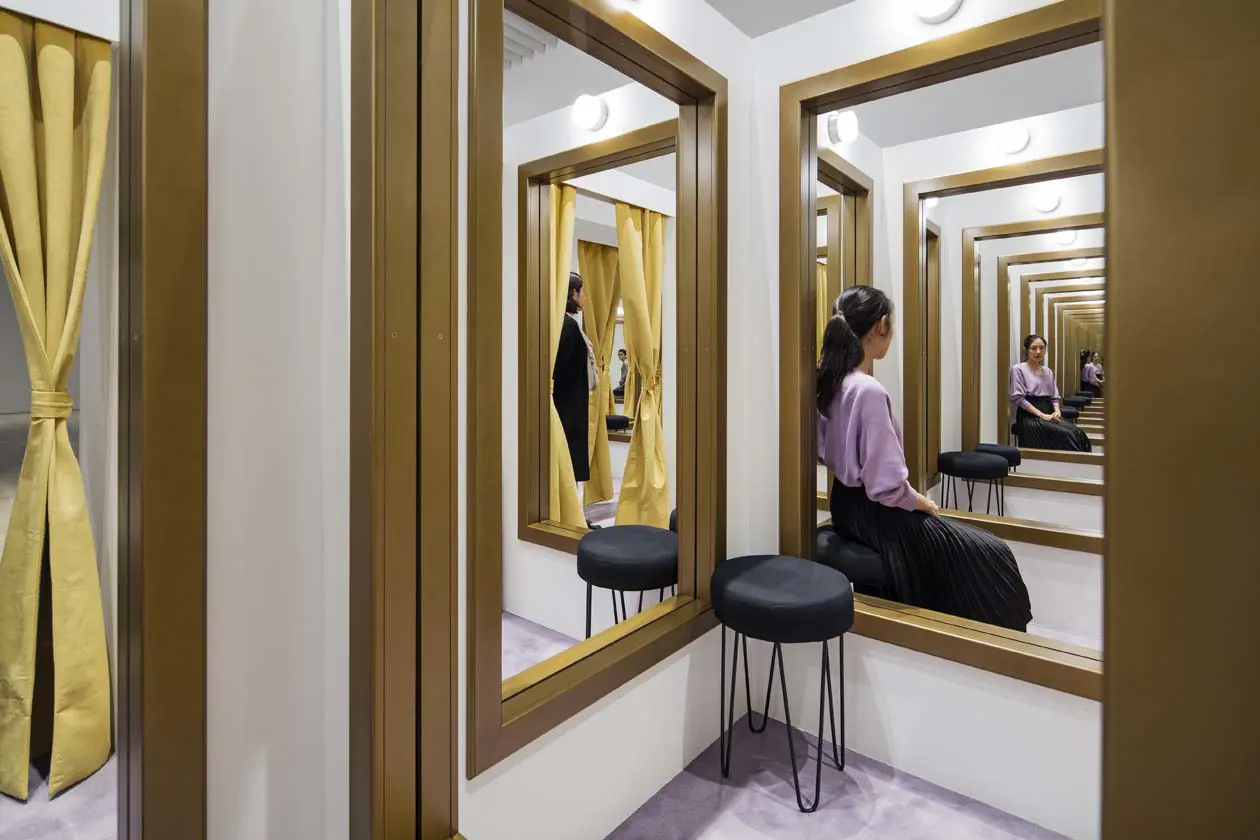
(1057,416)
(927,506)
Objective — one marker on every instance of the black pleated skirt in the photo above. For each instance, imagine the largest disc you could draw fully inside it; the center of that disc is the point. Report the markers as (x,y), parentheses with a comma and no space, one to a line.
(1035,433)
(938,564)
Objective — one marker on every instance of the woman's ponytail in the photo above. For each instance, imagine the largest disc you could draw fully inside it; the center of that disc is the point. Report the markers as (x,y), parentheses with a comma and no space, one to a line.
(854,314)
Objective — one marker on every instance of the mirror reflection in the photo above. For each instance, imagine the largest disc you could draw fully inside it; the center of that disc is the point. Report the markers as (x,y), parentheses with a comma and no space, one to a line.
(960,409)
(592,259)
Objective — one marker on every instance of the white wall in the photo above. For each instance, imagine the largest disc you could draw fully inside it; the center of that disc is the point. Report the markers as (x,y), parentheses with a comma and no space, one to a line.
(277,483)
(94,17)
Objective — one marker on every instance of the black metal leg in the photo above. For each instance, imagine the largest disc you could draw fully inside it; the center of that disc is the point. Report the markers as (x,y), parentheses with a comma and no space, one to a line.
(787,718)
(640,601)
(588,610)
(765,712)
(988,499)
(727,716)
(970,489)
(613,595)
(1002,497)
(624,614)
(662,595)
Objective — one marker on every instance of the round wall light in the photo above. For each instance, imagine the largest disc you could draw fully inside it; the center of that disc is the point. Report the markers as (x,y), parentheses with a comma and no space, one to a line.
(1067,237)
(1047,200)
(936,11)
(590,113)
(842,127)
(1013,138)
(931,202)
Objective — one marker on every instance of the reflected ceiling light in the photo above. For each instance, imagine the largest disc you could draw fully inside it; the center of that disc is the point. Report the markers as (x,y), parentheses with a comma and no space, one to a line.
(1047,200)
(842,127)
(590,113)
(931,202)
(1067,237)
(936,11)
(1013,138)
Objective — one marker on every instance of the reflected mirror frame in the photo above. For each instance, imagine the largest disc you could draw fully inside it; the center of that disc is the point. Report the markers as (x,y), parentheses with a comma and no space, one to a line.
(1052,28)
(499,726)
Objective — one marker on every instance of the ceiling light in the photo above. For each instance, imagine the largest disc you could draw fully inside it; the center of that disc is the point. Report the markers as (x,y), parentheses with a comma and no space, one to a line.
(1047,200)
(590,113)
(936,11)
(931,202)
(1013,138)
(842,127)
(1067,237)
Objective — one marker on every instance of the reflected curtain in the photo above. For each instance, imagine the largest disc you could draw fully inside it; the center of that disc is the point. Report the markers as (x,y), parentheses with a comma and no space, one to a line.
(644,498)
(563,499)
(54,114)
(823,306)
(602,283)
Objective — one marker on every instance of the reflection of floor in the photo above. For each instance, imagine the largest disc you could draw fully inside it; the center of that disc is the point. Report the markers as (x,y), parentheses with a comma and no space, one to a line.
(868,801)
(604,514)
(84,812)
(525,644)
(1078,639)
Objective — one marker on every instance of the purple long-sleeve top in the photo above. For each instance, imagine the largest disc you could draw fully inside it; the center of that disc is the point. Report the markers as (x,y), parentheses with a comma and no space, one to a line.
(859,440)
(1090,373)
(1024,384)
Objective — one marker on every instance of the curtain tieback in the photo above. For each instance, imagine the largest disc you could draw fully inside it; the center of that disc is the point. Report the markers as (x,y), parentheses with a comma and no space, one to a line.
(50,405)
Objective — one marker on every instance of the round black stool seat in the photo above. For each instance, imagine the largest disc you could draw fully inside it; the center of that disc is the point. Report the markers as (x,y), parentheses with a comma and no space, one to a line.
(673,520)
(863,566)
(974,466)
(617,422)
(628,558)
(1010,453)
(1070,413)
(782,599)
(1076,402)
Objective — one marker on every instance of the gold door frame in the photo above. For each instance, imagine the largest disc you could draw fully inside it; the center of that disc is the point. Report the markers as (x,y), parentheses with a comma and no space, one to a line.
(499,725)
(1049,29)
(534,335)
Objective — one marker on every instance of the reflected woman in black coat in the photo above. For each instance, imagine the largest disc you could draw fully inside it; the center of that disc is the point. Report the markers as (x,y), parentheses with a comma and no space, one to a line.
(573,379)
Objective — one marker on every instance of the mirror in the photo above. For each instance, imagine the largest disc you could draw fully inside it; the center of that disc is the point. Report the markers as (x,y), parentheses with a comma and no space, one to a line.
(595,360)
(957,473)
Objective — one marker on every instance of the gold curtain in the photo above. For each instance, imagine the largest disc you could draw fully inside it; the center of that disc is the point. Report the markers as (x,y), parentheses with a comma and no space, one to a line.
(823,307)
(563,497)
(644,498)
(54,114)
(602,283)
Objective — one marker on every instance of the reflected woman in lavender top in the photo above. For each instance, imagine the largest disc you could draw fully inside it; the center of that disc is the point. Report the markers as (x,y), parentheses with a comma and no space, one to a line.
(1092,375)
(1036,405)
(933,562)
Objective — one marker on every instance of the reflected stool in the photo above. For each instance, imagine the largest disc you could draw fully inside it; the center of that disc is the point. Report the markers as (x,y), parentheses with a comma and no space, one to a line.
(627,558)
(782,600)
(972,467)
(1076,402)
(1070,414)
(1010,453)
(865,567)
(617,422)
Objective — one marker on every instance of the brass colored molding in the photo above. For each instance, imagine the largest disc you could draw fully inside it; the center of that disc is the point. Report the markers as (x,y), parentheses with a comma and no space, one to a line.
(1030,531)
(1082,486)
(1096,459)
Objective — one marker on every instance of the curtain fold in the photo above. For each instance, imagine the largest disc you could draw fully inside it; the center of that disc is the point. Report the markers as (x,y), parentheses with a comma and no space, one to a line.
(602,282)
(563,501)
(823,307)
(644,498)
(54,115)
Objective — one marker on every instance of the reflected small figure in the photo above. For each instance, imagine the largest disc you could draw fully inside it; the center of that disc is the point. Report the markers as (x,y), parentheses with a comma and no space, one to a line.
(620,390)
(1092,375)
(1036,405)
(935,563)
(574,376)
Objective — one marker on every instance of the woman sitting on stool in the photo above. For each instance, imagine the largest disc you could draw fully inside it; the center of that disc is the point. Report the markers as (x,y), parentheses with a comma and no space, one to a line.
(938,564)
(1035,404)
(1092,375)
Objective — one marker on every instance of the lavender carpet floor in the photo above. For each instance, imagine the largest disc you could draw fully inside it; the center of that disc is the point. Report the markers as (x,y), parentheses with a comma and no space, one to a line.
(525,644)
(868,801)
(87,811)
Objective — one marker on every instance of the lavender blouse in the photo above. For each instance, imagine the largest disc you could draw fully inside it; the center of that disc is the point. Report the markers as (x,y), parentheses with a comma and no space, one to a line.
(859,440)
(1090,374)
(1024,384)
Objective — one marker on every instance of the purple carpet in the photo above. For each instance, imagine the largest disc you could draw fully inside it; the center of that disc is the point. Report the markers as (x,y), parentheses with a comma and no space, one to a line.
(868,801)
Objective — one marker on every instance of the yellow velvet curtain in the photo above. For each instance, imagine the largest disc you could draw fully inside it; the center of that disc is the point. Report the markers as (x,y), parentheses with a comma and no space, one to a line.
(54,114)
(602,283)
(563,500)
(823,307)
(644,498)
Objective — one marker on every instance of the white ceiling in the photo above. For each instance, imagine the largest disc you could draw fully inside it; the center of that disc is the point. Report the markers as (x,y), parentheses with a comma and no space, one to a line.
(662,171)
(757,17)
(1056,82)
(550,79)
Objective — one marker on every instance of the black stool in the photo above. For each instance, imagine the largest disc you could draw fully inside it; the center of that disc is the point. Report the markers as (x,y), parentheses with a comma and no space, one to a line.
(627,558)
(673,520)
(1069,413)
(972,467)
(617,422)
(865,567)
(782,600)
(1010,453)
(1076,402)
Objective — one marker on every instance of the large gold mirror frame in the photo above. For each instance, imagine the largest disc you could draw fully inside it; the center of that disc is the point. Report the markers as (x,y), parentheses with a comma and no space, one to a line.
(504,717)
(1058,26)
(534,225)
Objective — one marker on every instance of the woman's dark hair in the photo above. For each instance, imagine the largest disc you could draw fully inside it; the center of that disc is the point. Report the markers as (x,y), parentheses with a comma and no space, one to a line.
(1086,355)
(854,314)
(1029,341)
(575,286)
